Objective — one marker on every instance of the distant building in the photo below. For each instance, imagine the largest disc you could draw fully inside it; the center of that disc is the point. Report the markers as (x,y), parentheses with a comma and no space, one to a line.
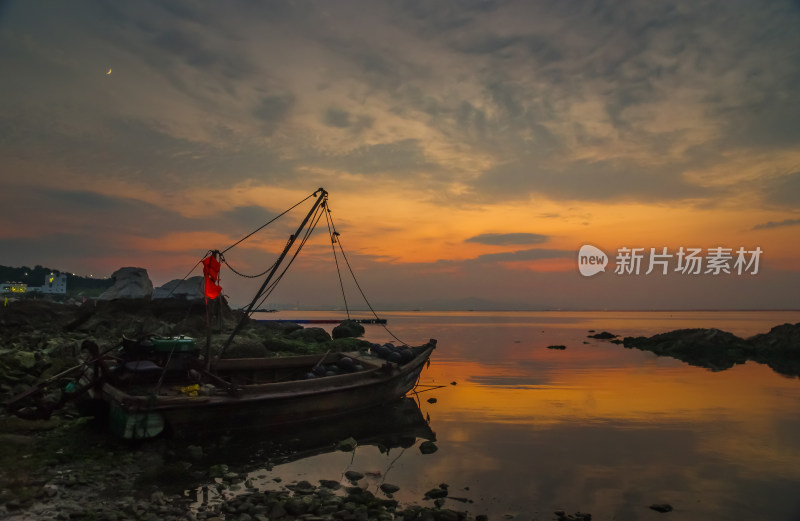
(13,287)
(54,283)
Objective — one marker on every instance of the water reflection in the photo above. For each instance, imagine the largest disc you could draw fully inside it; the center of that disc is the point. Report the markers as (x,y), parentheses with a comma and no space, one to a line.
(373,440)
(598,428)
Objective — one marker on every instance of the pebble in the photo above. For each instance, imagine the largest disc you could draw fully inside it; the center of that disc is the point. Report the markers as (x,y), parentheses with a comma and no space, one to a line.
(389,488)
(352,475)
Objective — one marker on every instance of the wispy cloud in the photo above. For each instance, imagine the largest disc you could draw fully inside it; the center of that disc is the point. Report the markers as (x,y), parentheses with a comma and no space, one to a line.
(776,224)
(504,239)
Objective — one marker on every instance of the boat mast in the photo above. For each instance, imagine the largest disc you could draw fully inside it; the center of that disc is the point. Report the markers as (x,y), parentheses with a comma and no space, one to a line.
(322,197)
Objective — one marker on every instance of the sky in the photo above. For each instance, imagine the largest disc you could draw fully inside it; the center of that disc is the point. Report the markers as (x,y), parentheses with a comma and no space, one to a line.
(470,148)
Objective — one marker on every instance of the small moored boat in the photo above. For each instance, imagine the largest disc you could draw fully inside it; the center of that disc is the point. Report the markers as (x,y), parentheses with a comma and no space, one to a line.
(155,384)
(241,392)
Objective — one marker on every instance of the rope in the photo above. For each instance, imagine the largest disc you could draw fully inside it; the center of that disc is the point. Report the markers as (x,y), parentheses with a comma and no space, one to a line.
(266,224)
(334,237)
(355,280)
(314,220)
(225,261)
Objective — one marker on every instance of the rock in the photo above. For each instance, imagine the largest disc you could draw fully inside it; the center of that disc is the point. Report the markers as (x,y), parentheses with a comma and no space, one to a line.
(302,488)
(195,452)
(277,511)
(557,347)
(23,359)
(432,400)
(436,493)
(347,445)
(217,471)
(129,283)
(428,447)
(348,329)
(605,335)
(245,348)
(389,489)
(352,475)
(710,348)
(661,507)
(189,289)
(329,483)
(311,334)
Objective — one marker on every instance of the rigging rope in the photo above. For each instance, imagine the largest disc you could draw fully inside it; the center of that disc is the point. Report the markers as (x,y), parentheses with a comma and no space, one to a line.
(225,261)
(266,224)
(334,237)
(355,280)
(314,220)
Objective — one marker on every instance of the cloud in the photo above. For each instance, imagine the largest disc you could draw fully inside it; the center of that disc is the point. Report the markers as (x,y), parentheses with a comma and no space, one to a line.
(608,181)
(784,191)
(776,224)
(339,118)
(503,239)
(524,255)
(273,109)
(404,156)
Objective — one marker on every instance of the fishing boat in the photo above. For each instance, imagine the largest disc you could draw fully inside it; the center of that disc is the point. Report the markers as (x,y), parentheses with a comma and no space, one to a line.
(153,385)
(246,392)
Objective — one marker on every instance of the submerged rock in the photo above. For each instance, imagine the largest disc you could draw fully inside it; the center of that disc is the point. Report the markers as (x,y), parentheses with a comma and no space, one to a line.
(661,507)
(428,447)
(605,335)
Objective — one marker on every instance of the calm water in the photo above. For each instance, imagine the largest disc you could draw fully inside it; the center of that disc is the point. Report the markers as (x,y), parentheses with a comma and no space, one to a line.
(595,428)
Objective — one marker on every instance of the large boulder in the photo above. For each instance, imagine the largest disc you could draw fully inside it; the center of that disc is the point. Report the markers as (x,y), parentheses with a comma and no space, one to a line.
(129,283)
(190,289)
(348,329)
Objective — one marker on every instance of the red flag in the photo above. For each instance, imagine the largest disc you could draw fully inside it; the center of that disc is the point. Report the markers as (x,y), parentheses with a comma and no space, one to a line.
(211,273)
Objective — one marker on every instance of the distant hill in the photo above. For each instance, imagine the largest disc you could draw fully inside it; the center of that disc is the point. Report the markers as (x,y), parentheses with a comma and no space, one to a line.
(76,286)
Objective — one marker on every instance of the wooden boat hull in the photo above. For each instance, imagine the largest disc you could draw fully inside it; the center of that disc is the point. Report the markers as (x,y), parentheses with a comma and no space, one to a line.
(266,404)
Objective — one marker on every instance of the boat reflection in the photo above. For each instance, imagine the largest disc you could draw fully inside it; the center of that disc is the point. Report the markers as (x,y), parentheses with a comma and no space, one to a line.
(398,424)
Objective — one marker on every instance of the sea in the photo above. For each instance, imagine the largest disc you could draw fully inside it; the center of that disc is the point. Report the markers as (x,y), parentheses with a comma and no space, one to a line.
(523,431)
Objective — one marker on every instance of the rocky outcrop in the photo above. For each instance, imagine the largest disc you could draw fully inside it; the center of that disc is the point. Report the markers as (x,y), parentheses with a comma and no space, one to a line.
(129,283)
(719,350)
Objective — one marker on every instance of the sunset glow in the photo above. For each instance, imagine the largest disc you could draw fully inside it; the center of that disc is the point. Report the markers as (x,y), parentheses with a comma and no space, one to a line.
(460,143)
